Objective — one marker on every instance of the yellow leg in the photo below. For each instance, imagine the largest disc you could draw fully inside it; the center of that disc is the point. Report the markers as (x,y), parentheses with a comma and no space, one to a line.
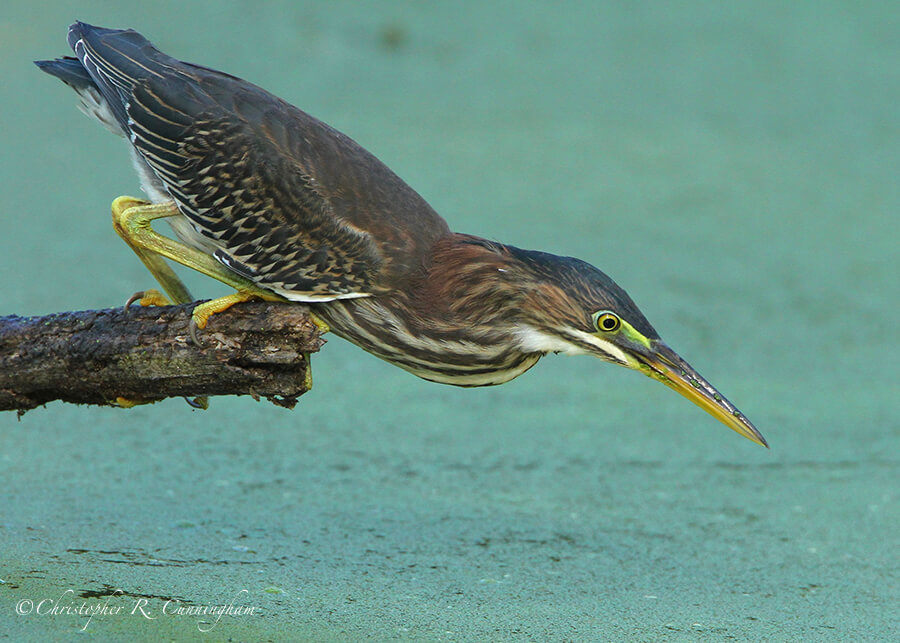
(124,224)
(132,218)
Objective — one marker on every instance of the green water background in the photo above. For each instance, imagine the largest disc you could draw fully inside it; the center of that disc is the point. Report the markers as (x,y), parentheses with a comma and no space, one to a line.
(733,165)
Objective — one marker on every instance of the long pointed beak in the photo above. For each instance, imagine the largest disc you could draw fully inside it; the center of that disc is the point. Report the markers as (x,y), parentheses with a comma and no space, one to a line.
(665,365)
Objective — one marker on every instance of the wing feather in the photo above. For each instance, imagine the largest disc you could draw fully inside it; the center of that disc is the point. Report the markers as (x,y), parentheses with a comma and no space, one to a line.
(282,197)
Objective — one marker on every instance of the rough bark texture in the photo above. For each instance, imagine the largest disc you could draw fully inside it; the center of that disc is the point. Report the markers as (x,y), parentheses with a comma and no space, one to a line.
(146,354)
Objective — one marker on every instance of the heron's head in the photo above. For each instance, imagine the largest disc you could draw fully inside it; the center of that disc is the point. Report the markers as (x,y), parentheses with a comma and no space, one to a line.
(572,307)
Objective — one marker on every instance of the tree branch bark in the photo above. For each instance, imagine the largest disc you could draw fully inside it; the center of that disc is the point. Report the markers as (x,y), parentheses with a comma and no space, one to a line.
(121,356)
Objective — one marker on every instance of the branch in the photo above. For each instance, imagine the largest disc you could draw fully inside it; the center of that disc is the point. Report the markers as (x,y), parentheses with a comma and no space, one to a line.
(146,355)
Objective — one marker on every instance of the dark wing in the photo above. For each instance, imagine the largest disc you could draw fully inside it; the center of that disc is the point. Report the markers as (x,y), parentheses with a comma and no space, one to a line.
(287,200)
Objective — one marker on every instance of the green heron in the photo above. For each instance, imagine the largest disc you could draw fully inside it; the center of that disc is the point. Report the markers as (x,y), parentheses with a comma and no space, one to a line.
(280,206)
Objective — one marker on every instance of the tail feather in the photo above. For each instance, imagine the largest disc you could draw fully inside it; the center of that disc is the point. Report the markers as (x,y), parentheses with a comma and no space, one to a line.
(67,69)
(108,64)
(92,102)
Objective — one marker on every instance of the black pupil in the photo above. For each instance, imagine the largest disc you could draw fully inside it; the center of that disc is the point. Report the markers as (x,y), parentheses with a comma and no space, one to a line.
(609,323)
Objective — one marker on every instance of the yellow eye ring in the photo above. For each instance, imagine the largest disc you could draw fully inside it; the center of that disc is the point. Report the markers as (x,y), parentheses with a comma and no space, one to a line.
(607,322)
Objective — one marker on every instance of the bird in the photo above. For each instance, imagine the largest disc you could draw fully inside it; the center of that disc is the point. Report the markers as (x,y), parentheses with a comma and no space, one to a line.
(280,206)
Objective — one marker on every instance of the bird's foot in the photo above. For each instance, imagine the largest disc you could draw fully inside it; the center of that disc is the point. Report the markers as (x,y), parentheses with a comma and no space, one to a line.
(320,323)
(127,403)
(201,403)
(151,297)
(202,312)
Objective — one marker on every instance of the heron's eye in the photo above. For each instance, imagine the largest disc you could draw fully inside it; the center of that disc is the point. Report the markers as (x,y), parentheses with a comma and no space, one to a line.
(607,322)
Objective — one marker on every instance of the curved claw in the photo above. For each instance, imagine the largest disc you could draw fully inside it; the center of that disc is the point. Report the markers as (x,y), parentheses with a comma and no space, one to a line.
(150,297)
(201,403)
(194,327)
(135,297)
(202,312)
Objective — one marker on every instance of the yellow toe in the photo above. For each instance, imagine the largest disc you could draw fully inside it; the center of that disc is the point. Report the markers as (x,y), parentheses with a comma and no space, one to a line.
(320,324)
(151,297)
(202,312)
(126,403)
